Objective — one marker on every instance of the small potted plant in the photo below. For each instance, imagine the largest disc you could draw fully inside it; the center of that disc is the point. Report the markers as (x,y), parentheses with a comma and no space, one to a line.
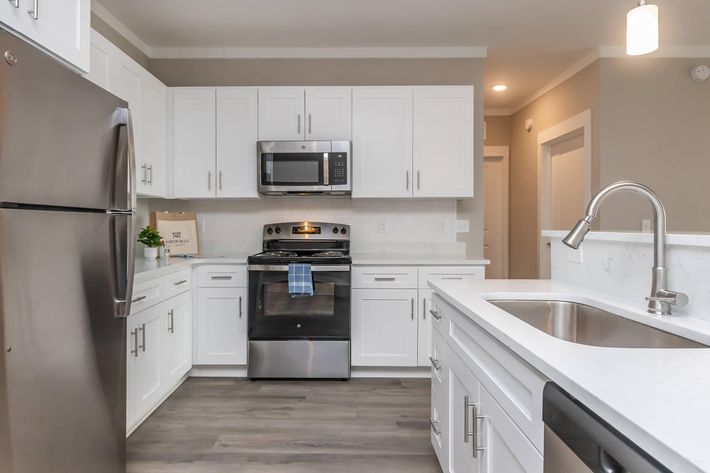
(152,240)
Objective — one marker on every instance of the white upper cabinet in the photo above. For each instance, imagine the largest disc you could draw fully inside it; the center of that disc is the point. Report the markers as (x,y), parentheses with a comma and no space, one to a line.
(193,143)
(152,161)
(236,142)
(328,113)
(382,142)
(60,27)
(281,113)
(101,52)
(443,142)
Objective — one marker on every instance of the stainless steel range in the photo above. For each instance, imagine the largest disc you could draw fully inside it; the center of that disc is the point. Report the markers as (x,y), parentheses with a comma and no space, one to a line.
(301,336)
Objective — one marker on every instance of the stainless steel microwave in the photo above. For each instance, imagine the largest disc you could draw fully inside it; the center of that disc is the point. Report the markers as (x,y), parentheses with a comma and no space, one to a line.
(304,167)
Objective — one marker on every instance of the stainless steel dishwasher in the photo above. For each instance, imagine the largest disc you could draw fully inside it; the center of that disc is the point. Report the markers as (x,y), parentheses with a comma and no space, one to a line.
(579,441)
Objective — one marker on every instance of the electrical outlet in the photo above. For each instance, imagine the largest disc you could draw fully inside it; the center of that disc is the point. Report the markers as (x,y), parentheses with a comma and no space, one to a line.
(382,227)
(575,256)
(646,225)
(462,226)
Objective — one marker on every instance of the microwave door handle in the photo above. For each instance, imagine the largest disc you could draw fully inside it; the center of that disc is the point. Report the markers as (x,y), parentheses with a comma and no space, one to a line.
(326,170)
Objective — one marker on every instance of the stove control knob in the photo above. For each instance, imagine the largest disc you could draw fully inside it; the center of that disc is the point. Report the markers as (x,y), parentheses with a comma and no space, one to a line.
(269,231)
(343,231)
(278,230)
(335,229)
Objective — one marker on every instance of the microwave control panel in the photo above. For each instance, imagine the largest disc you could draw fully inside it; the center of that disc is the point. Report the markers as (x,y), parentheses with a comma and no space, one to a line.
(338,163)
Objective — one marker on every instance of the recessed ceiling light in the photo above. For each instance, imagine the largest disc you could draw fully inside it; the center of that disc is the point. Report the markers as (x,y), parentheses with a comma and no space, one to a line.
(500,87)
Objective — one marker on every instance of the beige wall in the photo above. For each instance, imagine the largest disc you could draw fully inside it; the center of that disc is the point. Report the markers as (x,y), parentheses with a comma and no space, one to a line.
(116,38)
(497,131)
(577,94)
(315,72)
(656,129)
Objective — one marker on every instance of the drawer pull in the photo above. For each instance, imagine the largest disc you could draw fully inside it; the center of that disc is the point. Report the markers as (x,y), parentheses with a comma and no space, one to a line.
(171,321)
(221,278)
(435,427)
(385,279)
(134,349)
(142,330)
(435,363)
(138,299)
(436,315)
(474,425)
(180,282)
(451,277)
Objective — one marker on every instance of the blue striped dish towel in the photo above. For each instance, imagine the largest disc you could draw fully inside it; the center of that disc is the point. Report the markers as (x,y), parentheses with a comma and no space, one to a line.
(300,279)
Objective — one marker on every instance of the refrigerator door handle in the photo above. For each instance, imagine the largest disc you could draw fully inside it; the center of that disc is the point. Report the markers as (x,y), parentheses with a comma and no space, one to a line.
(123,261)
(123,173)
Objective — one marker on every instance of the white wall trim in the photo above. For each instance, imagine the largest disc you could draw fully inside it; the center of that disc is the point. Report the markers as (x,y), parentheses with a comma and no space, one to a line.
(117,25)
(316,53)
(663,52)
(545,139)
(503,152)
(497,112)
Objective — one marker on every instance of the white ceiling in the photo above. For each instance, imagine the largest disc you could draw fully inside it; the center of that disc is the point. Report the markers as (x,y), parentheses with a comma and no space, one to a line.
(529,42)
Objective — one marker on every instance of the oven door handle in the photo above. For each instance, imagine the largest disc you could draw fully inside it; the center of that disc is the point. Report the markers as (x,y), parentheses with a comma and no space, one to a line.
(314,268)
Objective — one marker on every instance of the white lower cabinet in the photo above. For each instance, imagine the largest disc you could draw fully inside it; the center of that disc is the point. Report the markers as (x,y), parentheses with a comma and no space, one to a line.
(221,326)
(177,338)
(424,333)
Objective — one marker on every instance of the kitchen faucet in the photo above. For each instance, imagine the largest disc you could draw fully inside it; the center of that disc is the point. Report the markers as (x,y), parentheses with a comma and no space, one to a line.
(661,299)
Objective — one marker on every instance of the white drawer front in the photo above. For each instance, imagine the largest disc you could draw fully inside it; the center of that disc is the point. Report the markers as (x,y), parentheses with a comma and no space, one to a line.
(450,272)
(385,277)
(221,275)
(439,362)
(146,294)
(515,385)
(176,283)
(440,426)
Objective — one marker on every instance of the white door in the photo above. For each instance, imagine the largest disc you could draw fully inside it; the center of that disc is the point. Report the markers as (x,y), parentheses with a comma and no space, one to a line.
(495,215)
(424,349)
(236,142)
(152,163)
(281,113)
(443,141)
(60,26)
(10,13)
(463,399)
(221,326)
(382,142)
(125,82)
(177,330)
(384,327)
(193,142)
(101,51)
(328,113)
(144,384)
(505,447)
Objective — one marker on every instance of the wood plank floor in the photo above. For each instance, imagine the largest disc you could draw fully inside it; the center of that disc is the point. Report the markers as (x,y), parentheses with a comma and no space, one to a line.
(231,425)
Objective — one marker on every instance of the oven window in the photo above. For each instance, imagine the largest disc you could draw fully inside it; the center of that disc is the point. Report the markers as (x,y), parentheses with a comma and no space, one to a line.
(304,169)
(278,302)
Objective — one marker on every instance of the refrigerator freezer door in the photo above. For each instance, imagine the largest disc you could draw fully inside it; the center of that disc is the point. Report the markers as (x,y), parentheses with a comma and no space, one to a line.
(62,362)
(58,132)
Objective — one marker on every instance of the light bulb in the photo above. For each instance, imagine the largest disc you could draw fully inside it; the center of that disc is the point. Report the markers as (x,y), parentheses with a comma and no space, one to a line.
(500,87)
(642,29)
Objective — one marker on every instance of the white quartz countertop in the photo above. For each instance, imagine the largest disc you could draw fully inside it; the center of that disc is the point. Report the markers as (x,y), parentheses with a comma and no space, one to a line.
(146,268)
(672,239)
(375,259)
(659,398)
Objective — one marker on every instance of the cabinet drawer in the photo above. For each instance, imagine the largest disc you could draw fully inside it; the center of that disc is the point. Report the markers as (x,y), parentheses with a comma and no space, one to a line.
(450,272)
(439,424)
(176,283)
(386,277)
(223,275)
(145,294)
(515,385)
(439,362)
(438,319)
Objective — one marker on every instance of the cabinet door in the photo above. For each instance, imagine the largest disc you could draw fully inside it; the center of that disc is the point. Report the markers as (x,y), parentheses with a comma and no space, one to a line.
(443,142)
(10,14)
(236,142)
(281,113)
(221,326)
(60,26)
(152,161)
(424,346)
(101,50)
(143,375)
(328,113)
(505,447)
(382,142)
(125,82)
(384,327)
(464,457)
(193,137)
(177,333)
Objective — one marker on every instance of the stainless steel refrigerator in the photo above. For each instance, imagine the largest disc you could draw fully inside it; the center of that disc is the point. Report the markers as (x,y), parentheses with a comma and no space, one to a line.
(66,267)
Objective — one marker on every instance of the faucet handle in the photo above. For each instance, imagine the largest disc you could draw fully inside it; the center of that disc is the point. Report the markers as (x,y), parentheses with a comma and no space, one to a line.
(672,297)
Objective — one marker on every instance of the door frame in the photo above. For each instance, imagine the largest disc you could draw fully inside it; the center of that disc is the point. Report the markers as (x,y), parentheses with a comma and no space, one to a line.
(580,124)
(503,152)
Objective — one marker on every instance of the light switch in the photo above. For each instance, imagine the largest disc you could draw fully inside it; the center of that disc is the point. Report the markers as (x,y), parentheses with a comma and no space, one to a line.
(462,226)
(575,256)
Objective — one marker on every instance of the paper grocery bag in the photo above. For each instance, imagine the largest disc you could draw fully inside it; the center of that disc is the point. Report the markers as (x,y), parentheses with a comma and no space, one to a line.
(178,230)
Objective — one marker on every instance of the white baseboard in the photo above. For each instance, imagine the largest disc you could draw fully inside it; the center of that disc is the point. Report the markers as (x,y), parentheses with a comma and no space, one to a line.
(218,371)
(240,371)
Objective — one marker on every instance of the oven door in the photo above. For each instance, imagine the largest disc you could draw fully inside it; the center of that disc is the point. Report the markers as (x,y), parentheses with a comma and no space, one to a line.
(294,166)
(275,315)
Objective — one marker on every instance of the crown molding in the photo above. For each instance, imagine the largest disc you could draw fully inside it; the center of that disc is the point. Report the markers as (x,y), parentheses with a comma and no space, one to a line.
(317,53)
(662,52)
(497,112)
(122,29)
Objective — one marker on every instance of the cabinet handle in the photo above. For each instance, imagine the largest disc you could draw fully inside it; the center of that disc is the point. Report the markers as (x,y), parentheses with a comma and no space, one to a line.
(142,330)
(171,321)
(435,427)
(299,123)
(309,124)
(474,427)
(435,363)
(221,278)
(180,282)
(34,12)
(385,279)
(15,3)
(144,174)
(436,315)
(412,308)
(424,308)
(138,299)
(220,180)
(452,278)
(134,350)
(407,173)
(150,174)
(240,307)
(419,180)
(209,180)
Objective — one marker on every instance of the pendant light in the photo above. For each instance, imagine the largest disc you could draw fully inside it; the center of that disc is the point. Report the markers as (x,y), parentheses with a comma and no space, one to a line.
(642,29)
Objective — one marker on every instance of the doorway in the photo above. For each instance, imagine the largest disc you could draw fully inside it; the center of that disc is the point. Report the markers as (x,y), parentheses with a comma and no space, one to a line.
(495,220)
(564,182)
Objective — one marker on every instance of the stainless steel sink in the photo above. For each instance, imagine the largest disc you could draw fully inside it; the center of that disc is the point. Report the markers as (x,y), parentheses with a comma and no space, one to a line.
(587,325)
